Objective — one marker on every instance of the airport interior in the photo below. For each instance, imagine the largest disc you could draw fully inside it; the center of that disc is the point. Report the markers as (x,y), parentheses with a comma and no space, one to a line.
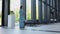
(40,17)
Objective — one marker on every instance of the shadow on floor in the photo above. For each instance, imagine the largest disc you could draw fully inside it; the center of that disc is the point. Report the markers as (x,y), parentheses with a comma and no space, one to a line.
(47,31)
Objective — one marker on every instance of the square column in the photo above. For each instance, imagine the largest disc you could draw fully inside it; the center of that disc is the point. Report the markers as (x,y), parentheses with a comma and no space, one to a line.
(6,11)
(48,11)
(45,11)
(51,10)
(58,7)
(45,20)
(55,10)
(40,11)
(33,9)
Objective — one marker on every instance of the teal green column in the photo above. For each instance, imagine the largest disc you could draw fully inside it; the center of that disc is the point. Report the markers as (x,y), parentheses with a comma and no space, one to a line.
(48,11)
(51,10)
(40,11)
(33,10)
(45,11)
(54,10)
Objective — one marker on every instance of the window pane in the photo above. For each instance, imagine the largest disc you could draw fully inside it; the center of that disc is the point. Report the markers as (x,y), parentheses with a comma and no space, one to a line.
(15,7)
(37,9)
(0,11)
(28,9)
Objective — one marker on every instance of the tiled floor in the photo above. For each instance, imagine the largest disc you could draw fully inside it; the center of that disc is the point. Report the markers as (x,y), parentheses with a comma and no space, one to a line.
(40,29)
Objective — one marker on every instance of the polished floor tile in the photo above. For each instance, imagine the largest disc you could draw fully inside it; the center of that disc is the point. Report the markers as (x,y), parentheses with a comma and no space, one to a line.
(40,29)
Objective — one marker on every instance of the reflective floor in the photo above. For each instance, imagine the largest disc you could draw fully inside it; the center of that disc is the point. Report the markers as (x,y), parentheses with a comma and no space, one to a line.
(39,29)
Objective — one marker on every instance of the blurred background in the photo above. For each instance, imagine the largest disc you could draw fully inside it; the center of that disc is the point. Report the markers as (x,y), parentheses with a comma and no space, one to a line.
(0,11)
(15,6)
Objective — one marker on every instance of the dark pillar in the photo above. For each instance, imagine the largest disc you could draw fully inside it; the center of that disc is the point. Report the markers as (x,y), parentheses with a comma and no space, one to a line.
(54,11)
(40,11)
(51,12)
(5,10)
(48,10)
(33,10)
(58,8)
(45,12)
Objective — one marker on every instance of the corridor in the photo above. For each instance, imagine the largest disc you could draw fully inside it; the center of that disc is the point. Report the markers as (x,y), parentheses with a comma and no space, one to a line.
(40,29)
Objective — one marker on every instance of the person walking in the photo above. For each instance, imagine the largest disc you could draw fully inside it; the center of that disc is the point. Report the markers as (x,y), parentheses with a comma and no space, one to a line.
(22,17)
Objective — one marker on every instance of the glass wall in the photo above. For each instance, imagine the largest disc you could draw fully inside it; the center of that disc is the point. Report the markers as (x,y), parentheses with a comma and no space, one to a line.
(15,7)
(28,9)
(0,11)
(37,10)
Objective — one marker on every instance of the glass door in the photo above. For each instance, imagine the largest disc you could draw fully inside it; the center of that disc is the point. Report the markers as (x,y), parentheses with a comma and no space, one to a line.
(0,12)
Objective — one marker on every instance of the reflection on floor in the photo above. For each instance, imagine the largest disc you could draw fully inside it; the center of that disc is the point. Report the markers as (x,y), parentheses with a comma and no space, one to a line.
(40,29)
